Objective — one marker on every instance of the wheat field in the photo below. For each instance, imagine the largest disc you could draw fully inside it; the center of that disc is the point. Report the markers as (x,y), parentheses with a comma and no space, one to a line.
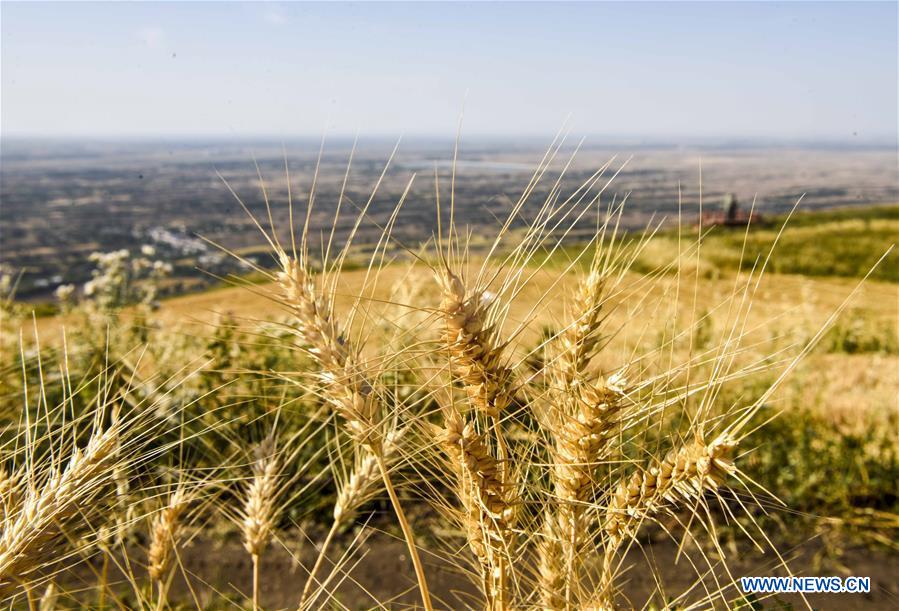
(523,415)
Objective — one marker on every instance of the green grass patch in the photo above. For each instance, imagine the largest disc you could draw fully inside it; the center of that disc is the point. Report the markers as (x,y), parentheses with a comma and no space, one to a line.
(844,243)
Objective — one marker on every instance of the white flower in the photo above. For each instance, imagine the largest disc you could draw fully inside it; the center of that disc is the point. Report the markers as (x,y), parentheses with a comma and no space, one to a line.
(64,292)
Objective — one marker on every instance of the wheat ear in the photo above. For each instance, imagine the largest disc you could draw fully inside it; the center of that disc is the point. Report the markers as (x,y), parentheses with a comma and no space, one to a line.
(9,493)
(358,489)
(487,502)
(362,482)
(579,341)
(259,509)
(350,392)
(473,345)
(582,421)
(682,476)
(165,531)
(32,528)
(476,359)
(582,441)
(49,598)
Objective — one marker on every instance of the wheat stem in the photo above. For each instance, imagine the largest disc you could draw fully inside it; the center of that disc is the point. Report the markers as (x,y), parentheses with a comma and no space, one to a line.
(161,595)
(335,525)
(407,533)
(255,581)
(356,490)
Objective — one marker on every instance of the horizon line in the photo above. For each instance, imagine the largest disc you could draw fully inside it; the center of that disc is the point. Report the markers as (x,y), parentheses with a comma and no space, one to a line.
(589,138)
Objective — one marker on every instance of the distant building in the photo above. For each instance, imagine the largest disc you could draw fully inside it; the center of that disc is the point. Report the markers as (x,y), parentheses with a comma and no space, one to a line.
(730,214)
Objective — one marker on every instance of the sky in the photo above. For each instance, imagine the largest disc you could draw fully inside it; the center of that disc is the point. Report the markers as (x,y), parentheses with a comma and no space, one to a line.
(652,71)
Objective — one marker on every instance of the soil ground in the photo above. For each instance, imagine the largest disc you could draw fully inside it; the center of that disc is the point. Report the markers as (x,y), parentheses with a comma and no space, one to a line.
(380,571)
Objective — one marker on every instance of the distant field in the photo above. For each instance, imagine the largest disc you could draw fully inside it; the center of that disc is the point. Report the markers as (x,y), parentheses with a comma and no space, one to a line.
(841,243)
(59,205)
(819,296)
(844,243)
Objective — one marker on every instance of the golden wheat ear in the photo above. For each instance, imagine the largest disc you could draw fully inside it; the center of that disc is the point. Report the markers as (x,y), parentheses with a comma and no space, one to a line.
(273,475)
(37,522)
(581,416)
(259,506)
(350,386)
(165,533)
(359,486)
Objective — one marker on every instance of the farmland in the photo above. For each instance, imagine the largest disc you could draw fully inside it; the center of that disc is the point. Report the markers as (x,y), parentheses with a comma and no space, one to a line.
(63,201)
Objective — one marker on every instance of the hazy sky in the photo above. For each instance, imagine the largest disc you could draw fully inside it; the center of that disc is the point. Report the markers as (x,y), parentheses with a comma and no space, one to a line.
(807,70)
